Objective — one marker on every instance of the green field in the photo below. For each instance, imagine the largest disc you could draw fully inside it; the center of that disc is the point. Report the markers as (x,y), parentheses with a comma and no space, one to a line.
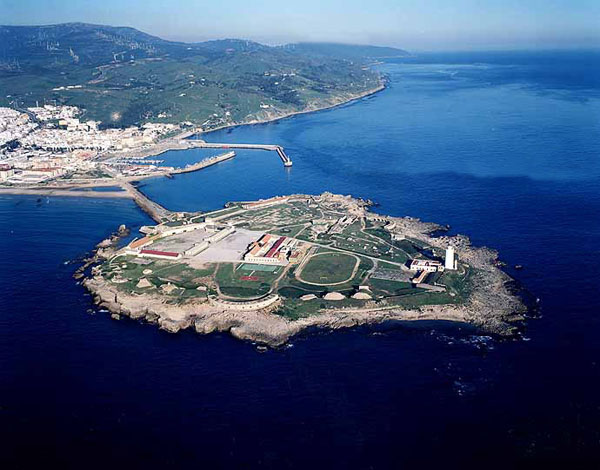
(181,275)
(259,267)
(388,287)
(328,268)
(234,281)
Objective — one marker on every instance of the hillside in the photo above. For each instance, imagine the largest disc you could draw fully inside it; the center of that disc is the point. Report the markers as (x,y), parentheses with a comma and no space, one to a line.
(122,76)
(345,51)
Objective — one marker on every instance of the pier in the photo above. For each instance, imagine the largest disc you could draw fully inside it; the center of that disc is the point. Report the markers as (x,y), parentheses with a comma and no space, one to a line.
(203,163)
(182,143)
(158,213)
(287,161)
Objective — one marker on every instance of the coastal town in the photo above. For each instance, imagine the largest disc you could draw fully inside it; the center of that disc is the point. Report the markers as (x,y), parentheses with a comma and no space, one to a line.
(49,148)
(45,143)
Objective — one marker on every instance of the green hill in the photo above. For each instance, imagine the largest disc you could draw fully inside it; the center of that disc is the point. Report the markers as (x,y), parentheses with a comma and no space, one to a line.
(122,76)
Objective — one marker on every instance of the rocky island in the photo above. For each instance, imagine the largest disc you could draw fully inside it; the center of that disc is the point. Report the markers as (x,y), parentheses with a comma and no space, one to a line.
(266,270)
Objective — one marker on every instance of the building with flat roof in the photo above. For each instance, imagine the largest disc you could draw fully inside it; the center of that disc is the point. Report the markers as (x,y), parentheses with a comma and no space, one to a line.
(426,265)
(159,254)
(269,249)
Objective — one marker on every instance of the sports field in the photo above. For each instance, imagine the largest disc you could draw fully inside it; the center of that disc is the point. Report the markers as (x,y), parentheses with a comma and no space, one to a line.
(329,268)
(239,281)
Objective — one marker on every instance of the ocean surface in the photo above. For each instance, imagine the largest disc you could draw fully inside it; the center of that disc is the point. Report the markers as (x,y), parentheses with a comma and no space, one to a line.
(504,147)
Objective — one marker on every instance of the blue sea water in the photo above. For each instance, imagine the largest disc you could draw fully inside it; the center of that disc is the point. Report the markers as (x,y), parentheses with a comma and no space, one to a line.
(503,147)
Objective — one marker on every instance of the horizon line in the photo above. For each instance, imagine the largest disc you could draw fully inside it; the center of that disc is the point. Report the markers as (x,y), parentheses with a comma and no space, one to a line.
(497,49)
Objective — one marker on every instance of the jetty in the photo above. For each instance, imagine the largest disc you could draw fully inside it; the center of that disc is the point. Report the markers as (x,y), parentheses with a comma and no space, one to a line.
(158,213)
(203,163)
(182,143)
(287,161)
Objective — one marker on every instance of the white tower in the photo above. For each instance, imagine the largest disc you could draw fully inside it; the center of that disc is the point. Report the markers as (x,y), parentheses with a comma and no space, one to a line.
(450,258)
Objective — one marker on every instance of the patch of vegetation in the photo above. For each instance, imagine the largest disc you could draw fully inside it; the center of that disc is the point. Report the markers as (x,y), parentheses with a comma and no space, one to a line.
(291,282)
(236,282)
(294,309)
(458,282)
(290,231)
(347,51)
(328,268)
(130,270)
(390,288)
(294,292)
(393,267)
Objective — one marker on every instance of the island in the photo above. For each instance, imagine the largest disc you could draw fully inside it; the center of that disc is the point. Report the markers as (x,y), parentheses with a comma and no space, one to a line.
(267,270)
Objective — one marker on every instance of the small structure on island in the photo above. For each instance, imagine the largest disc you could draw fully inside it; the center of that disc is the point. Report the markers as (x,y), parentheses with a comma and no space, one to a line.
(306,297)
(420,277)
(168,288)
(144,283)
(451,261)
(362,295)
(118,279)
(334,296)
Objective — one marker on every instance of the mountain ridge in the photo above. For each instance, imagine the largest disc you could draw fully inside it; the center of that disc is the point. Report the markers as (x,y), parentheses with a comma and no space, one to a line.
(122,76)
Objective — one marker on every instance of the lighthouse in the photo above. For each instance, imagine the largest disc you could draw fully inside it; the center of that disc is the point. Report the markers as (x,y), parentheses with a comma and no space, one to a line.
(451,261)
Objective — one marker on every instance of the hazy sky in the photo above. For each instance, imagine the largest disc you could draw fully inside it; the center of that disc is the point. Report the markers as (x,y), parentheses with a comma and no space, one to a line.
(412,24)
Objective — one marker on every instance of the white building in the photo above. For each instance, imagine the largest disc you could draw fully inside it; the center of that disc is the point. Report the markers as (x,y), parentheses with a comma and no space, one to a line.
(197,248)
(451,261)
(426,265)
(6,172)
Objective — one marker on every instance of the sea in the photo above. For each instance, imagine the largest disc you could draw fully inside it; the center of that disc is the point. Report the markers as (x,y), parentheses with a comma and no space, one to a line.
(501,146)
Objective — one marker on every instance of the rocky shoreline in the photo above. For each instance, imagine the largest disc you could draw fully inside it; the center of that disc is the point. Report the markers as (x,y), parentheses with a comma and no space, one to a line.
(321,105)
(493,305)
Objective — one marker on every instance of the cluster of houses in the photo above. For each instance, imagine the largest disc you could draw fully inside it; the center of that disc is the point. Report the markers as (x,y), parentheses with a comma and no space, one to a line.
(48,141)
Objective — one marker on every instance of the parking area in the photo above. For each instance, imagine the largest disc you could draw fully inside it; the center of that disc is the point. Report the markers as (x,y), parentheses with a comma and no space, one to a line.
(230,249)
